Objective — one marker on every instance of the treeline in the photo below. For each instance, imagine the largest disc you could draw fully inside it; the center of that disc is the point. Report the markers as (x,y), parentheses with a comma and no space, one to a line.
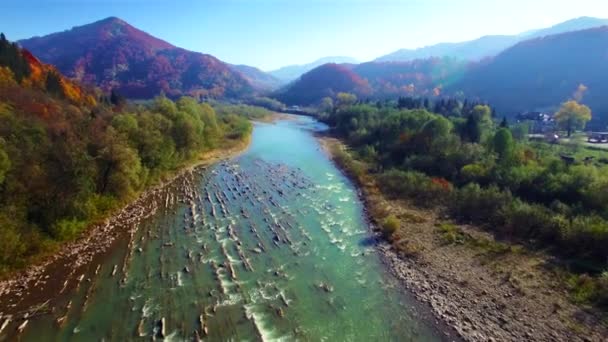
(479,173)
(60,173)
(63,166)
(11,57)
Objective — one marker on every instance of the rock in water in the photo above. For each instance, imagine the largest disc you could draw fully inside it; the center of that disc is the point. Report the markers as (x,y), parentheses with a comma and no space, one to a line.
(5,324)
(162,330)
(140,329)
(22,326)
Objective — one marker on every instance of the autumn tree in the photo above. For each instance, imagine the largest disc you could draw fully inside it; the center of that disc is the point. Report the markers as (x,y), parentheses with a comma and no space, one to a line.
(345,100)
(572,116)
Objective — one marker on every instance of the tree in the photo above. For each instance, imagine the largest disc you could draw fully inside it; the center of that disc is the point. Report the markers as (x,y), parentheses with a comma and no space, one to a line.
(503,143)
(53,83)
(327,105)
(345,100)
(572,116)
(479,122)
(504,123)
(11,57)
(5,164)
(117,99)
(435,130)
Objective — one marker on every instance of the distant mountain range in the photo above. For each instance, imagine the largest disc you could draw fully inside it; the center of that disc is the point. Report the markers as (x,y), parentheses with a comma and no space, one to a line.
(257,78)
(543,72)
(488,46)
(291,72)
(424,77)
(112,54)
(536,74)
(535,70)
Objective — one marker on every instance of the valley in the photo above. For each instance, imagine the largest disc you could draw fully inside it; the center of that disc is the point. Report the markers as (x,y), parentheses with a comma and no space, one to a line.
(271,171)
(271,244)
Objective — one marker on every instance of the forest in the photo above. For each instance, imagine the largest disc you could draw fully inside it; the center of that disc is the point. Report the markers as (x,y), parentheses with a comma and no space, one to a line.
(70,156)
(486,173)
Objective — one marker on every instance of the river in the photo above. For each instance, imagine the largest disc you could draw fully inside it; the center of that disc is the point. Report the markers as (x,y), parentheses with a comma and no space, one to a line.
(270,245)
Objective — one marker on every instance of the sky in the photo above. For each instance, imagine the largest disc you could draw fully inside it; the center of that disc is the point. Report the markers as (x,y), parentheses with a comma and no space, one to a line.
(269,34)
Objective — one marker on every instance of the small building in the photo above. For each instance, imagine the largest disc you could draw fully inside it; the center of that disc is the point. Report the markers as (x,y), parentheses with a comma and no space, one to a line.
(597,137)
(540,123)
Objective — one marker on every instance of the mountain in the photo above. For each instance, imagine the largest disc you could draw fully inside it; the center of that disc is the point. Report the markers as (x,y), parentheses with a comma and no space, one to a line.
(26,82)
(421,77)
(292,72)
(470,50)
(374,80)
(257,78)
(326,80)
(543,72)
(577,24)
(115,55)
(488,46)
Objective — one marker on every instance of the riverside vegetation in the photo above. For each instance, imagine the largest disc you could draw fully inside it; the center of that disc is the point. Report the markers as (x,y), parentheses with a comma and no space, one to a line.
(70,156)
(486,174)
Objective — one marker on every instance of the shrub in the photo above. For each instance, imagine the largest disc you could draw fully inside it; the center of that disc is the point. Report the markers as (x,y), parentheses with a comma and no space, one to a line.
(390,225)
(67,229)
(525,220)
(11,243)
(583,288)
(407,248)
(450,234)
(475,204)
(424,190)
(474,173)
(587,236)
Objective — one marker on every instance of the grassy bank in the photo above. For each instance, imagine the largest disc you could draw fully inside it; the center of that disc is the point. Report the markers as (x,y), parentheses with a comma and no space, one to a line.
(425,233)
(547,198)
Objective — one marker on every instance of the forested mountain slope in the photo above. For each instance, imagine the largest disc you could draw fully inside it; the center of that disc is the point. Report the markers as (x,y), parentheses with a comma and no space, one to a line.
(112,54)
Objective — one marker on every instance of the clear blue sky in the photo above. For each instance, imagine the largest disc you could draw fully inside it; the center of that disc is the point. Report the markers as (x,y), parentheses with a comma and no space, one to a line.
(273,33)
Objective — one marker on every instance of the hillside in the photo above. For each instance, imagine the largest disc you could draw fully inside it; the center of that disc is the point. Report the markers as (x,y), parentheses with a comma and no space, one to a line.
(488,46)
(257,78)
(292,72)
(21,72)
(543,72)
(67,160)
(112,54)
(469,50)
(425,77)
(374,80)
(326,80)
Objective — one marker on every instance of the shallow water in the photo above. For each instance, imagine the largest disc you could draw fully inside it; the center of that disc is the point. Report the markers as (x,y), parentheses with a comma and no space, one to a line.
(270,245)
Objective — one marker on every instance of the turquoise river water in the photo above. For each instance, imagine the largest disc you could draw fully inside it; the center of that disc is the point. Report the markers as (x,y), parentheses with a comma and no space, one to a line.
(271,245)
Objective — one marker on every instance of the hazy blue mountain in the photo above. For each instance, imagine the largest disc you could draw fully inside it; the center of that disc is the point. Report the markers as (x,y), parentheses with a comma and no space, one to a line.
(487,46)
(291,72)
(260,80)
(540,73)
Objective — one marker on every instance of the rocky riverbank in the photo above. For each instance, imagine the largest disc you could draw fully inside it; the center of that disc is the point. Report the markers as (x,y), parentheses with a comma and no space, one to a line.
(33,290)
(484,295)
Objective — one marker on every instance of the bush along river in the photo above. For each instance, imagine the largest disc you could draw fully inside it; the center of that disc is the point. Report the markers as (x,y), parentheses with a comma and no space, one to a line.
(270,245)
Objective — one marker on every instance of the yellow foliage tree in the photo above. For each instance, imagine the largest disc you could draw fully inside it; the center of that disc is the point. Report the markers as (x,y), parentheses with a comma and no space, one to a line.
(345,99)
(6,77)
(572,116)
